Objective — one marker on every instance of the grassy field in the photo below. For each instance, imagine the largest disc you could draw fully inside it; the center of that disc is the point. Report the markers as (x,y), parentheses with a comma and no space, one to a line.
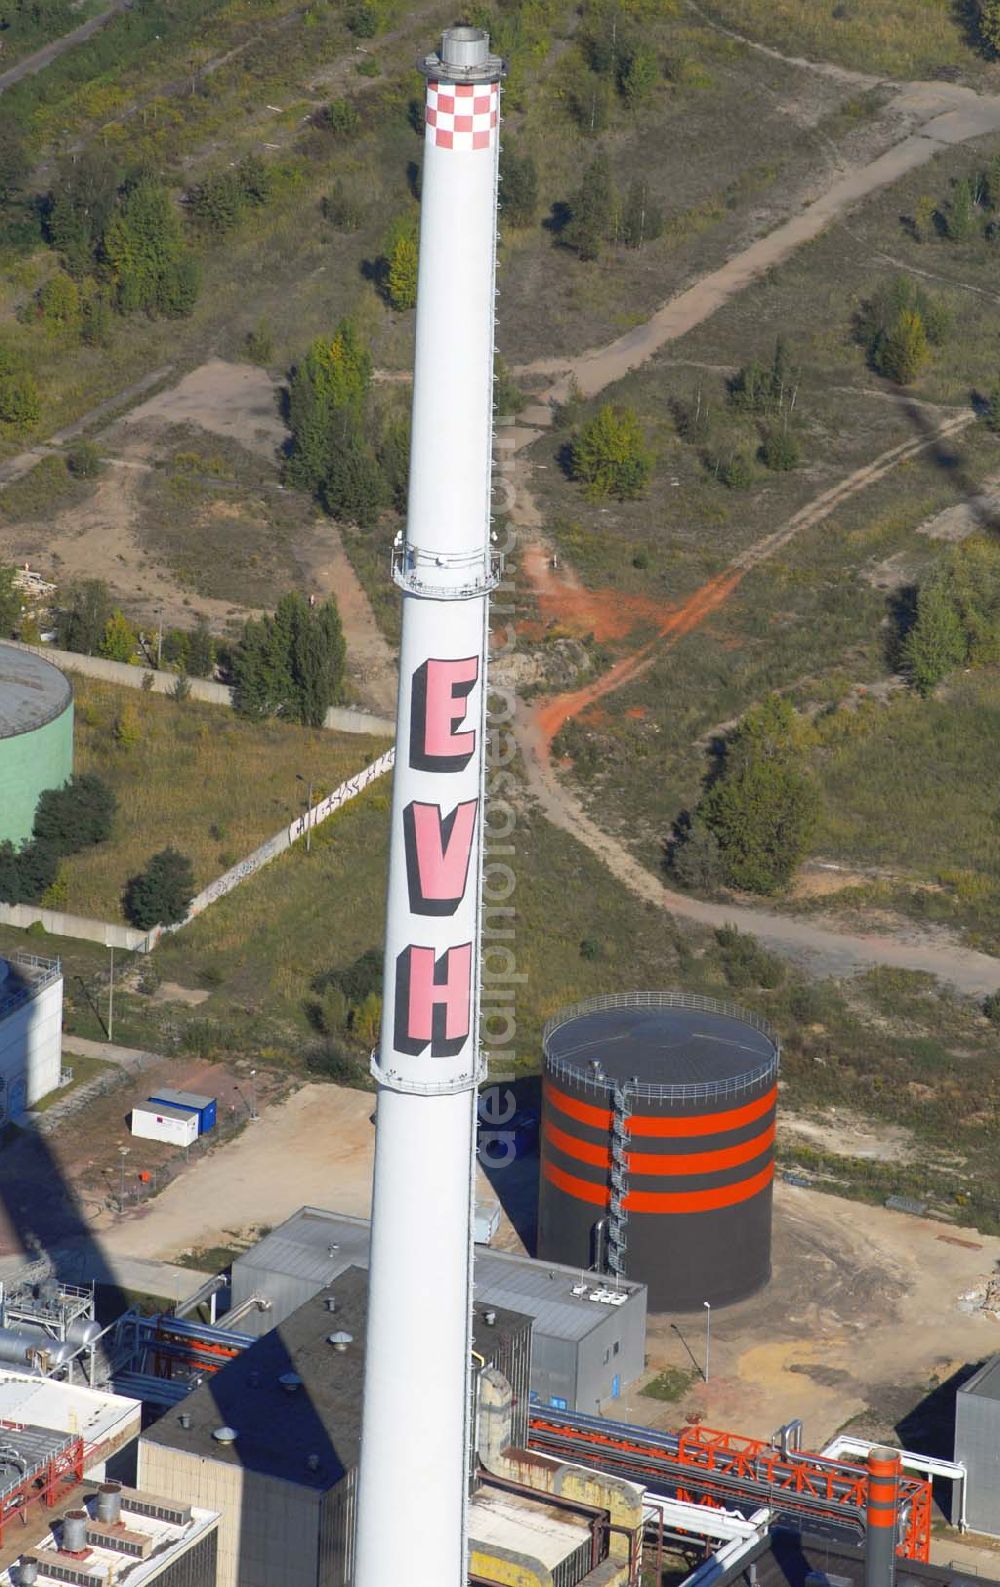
(198,777)
(907,39)
(817,618)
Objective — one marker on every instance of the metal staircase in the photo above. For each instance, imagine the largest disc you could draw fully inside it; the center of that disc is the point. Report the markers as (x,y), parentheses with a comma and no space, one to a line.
(621,1114)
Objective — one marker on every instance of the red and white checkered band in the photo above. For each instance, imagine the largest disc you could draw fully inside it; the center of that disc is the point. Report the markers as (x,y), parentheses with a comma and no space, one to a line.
(462,115)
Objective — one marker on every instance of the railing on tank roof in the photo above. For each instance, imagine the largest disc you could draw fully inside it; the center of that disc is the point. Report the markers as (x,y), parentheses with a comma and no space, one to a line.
(39,973)
(686,1091)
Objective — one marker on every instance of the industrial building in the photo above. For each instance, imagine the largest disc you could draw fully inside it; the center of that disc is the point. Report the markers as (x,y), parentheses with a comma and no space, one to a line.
(31,1000)
(977,1446)
(658,1127)
(110,1535)
(588,1337)
(272,1440)
(36,737)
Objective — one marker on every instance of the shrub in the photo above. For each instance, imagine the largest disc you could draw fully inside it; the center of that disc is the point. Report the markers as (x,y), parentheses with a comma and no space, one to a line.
(258,345)
(961,215)
(903,351)
(75,816)
(161,894)
(518,186)
(745,962)
(401,268)
(732,469)
(991,1008)
(609,455)
(695,859)
(993,410)
(343,208)
(590,948)
(84,460)
(119,639)
(936,644)
(363,21)
(779,449)
(20,404)
(340,116)
(84,618)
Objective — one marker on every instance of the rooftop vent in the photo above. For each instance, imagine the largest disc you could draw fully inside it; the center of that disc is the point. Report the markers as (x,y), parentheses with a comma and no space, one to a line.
(312,1462)
(331,1303)
(185,1420)
(340,1341)
(490,1318)
(27,1570)
(73,1537)
(290,1382)
(225,1435)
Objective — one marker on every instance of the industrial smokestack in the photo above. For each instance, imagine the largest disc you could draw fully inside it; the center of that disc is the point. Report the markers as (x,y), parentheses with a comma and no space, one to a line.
(416,1434)
(882,1510)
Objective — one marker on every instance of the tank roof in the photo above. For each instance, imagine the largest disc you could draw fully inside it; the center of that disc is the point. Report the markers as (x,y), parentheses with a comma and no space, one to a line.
(661,1039)
(32,691)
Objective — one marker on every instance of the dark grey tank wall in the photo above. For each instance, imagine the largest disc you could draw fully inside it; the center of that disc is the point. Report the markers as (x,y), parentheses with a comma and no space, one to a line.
(700,1167)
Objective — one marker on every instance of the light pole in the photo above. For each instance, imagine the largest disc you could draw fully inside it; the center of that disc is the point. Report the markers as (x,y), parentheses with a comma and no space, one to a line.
(111,999)
(253,1093)
(708,1334)
(309,807)
(124,1150)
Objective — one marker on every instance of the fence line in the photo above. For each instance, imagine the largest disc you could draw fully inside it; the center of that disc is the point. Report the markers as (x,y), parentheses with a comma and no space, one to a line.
(339,719)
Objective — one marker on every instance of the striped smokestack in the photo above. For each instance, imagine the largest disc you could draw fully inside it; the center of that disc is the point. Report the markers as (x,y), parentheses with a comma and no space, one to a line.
(881,1515)
(415,1448)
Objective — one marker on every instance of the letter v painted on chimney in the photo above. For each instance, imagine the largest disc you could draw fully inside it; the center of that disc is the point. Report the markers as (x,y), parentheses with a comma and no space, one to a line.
(438,850)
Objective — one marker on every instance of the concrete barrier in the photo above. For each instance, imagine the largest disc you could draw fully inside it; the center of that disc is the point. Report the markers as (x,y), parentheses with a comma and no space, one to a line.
(61,924)
(339,718)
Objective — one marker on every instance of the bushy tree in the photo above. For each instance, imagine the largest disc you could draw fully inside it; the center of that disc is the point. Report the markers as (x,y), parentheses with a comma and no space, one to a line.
(609,455)
(401,266)
(763,807)
(518,185)
(903,351)
(84,617)
(993,410)
(20,403)
(145,253)
(591,210)
(200,659)
(642,218)
(80,204)
(290,664)
(989,24)
(84,460)
(936,644)
(353,490)
(10,602)
(394,459)
(161,894)
(638,74)
(77,815)
(779,448)
(14,163)
(326,396)
(59,300)
(961,215)
(119,639)
(26,873)
(588,97)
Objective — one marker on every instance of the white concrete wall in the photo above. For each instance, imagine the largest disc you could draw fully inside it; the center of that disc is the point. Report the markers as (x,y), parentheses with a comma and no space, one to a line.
(31,1051)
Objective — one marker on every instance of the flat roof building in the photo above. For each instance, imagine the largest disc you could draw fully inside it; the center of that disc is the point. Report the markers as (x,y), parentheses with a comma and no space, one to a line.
(588,1338)
(272,1441)
(152,1541)
(977,1445)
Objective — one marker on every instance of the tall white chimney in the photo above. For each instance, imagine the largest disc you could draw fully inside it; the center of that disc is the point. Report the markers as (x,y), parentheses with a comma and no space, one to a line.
(416,1429)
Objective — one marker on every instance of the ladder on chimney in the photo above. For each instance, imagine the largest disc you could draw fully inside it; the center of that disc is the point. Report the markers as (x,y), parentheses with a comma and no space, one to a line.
(621,1114)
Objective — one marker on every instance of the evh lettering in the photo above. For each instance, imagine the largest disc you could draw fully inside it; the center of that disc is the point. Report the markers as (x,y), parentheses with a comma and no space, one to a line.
(438,696)
(438,849)
(433,1000)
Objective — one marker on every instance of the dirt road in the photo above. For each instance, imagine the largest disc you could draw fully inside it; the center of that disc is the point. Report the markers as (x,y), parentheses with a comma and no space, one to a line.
(38,61)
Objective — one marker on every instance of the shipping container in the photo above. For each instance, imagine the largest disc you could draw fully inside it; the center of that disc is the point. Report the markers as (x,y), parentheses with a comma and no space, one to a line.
(188,1102)
(176,1125)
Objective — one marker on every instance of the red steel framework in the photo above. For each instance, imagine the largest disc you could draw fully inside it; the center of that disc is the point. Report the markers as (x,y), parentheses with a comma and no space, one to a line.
(46,1483)
(703,1465)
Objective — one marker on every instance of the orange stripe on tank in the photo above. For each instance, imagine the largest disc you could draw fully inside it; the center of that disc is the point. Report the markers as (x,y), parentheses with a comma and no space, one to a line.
(660,1201)
(646,1125)
(657,1164)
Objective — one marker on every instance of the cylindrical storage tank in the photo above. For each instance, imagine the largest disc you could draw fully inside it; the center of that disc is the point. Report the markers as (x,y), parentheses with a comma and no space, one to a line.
(109,1503)
(36,737)
(73,1538)
(688,1088)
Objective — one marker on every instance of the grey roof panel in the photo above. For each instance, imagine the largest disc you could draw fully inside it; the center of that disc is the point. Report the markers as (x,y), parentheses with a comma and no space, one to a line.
(985,1384)
(32,691)
(666,1046)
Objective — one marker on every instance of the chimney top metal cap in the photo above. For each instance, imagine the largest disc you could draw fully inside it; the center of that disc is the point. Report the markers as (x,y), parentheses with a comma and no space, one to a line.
(465,58)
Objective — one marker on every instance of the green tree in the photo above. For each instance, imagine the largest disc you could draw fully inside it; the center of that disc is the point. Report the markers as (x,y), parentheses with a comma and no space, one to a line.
(354,489)
(10,602)
(638,74)
(401,268)
(119,641)
(588,97)
(936,644)
(989,24)
(642,219)
(80,204)
(145,253)
(763,807)
(76,816)
(609,455)
(925,217)
(779,448)
(518,185)
(59,300)
(290,664)
(394,459)
(961,216)
(216,204)
(591,210)
(903,351)
(14,163)
(161,894)
(84,460)
(84,617)
(20,404)
(326,397)
(201,651)
(993,410)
